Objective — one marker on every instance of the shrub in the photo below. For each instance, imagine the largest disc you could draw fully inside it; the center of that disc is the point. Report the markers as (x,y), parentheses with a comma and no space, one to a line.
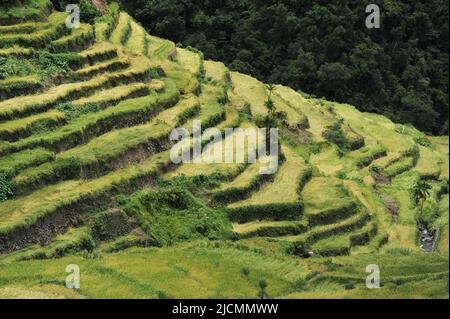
(7,188)
(341,175)
(173,215)
(335,134)
(423,141)
(43,63)
(71,111)
(300,284)
(297,248)
(349,286)
(376,169)
(162,295)
(89,11)
(399,251)
(245,271)
(315,148)
(13,67)
(224,99)
(262,284)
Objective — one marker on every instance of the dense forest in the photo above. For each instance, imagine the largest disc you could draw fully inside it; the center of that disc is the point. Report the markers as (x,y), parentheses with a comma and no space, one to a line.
(323,48)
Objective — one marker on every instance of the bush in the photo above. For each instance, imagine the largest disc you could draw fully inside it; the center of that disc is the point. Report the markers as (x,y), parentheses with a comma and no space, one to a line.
(399,251)
(349,286)
(71,111)
(335,134)
(42,63)
(423,141)
(89,11)
(7,188)
(245,271)
(315,148)
(174,214)
(224,99)
(13,67)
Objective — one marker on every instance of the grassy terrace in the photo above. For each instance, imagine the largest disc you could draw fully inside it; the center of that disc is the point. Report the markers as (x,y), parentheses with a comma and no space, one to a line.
(211,112)
(15,86)
(335,220)
(39,38)
(255,93)
(243,184)
(429,279)
(31,79)
(342,244)
(160,48)
(189,60)
(30,10)
(26,211)
(376,127)
(278,200)
(13,164)
(109,151)
(81,130)
(226,170)
(115,95)
(403,233)
(75,239)
(252,91)
(137,42)
(106,66)
(327,201)
(216,71)
(98,52)
(349,224)
(27,27)
(430,163)
(285,187)
(15,51)
(17,129)
(269,228)
(23,105)
(216,272)
(78,40)
(122,32)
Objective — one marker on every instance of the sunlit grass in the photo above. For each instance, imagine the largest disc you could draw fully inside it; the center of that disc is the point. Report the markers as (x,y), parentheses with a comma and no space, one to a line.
(284,188)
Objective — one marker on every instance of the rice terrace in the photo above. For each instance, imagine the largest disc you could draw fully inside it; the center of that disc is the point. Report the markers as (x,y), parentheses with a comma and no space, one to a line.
(86,176)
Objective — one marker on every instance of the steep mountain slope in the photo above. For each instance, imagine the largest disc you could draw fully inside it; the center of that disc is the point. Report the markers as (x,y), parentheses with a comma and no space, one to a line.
(85,175)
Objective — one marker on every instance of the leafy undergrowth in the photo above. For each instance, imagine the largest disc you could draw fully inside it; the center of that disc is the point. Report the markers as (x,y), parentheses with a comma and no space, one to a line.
(86,177)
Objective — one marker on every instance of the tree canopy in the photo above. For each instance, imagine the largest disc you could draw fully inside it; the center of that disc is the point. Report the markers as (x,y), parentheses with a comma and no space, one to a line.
(323,48)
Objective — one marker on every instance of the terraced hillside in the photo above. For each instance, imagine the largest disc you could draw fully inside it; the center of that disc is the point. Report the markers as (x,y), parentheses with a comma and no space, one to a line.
(86,177)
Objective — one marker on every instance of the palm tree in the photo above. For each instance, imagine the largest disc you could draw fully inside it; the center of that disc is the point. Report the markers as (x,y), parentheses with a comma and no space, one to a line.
(420,192)
(269,103)
(270,88)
